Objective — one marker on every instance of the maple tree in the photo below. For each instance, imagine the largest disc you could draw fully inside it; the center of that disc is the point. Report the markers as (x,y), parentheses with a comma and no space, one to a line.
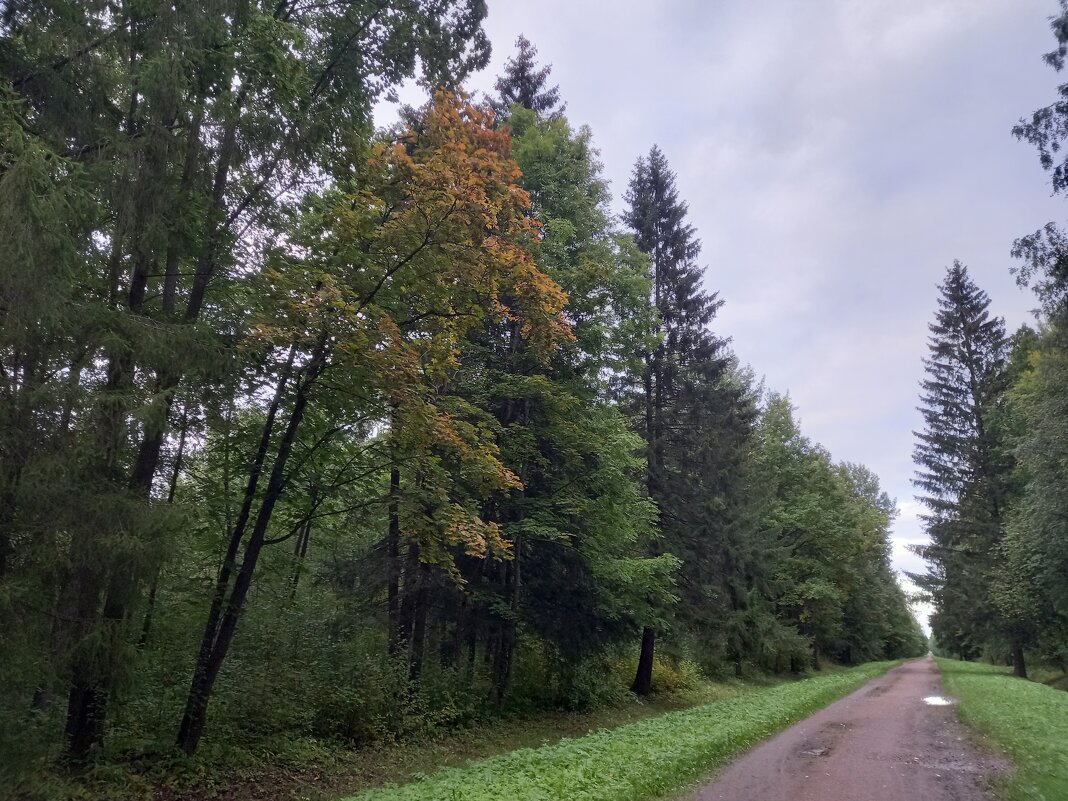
(365,310)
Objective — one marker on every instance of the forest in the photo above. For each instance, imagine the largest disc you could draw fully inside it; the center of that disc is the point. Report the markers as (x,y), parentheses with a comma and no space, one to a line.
(317,432)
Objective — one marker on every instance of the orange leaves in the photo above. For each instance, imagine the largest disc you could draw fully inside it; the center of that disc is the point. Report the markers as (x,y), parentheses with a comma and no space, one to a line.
(426,242)
(454,191)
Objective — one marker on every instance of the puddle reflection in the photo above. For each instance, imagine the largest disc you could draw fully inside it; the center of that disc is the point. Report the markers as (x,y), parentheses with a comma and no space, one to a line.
(937,700)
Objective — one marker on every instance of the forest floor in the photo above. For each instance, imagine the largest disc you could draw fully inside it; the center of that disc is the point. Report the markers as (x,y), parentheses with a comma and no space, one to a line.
(895,739)
(878,732)
(881,742)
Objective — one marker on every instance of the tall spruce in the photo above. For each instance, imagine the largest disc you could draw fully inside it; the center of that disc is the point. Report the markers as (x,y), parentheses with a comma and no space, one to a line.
(525,84)
(692,419)
(961,470)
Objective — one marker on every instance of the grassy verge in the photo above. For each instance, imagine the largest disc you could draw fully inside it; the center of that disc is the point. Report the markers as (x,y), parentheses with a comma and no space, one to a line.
(305,769)
(1026,720)
(637,762)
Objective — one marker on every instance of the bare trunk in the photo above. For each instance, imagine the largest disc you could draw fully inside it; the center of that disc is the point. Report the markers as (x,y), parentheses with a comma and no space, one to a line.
(300,552)
(1019,666)
(418,646)
(219,630)
(393,558)
(172,491)
(643,678)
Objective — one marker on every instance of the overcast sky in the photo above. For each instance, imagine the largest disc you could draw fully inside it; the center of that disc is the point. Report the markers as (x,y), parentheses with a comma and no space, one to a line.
(836,156)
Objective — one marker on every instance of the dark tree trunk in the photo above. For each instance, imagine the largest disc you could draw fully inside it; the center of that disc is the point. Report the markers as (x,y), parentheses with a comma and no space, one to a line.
(86,710)
(219,631)
(643,678)
(449,637)
(393,559)
(1019,667)
(90,581)
(418,645)
(172,491)
(472,644)
(300,552)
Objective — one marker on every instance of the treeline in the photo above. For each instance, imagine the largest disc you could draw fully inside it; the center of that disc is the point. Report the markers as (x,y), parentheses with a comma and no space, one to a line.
(308,429)
(994,447)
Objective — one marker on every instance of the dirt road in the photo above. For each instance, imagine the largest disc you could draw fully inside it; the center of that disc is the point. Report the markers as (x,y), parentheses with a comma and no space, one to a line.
(882,743)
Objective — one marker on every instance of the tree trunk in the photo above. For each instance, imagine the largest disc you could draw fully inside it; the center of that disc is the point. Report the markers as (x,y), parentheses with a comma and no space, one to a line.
(393,559)
(86,709)
(172,491)
(300,552)
(472,645)
(217,638)
(418,645)
(1019,667)
(643,678)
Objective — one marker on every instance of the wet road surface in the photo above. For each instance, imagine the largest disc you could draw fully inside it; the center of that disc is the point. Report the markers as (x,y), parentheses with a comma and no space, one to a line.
(883,742)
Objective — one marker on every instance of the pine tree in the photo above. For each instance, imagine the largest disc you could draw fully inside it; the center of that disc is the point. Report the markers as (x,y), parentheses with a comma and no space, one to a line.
(962,472)
(524,83)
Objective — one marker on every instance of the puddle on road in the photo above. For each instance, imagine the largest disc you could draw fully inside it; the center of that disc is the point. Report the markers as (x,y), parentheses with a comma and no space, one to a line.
(937,700)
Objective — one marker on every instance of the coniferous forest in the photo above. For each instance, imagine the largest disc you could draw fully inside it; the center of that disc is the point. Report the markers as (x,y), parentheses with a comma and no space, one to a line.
(318,432)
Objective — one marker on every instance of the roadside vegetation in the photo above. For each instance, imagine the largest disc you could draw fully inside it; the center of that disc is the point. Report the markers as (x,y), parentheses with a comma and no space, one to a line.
(1026,720)
(641,761)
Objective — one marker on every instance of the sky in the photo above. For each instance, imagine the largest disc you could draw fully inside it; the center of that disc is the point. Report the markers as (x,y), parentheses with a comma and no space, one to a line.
(837,156)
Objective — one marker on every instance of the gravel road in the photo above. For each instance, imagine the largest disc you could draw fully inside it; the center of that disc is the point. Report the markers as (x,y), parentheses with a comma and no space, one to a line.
(883,742)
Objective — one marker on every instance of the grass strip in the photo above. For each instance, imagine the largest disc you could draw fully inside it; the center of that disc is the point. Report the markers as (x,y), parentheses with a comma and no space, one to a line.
(1026,720)
(639,761)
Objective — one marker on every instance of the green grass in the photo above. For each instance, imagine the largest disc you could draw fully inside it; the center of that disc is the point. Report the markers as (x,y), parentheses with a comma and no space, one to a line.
(637,762)
(306,769)
(1026,720)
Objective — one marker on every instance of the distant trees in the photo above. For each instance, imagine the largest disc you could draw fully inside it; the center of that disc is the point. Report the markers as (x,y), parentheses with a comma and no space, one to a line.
(827,527)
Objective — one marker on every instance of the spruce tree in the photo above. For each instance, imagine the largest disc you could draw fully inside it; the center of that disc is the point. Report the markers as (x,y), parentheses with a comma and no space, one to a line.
(695,422)
(524,83)
(962,472)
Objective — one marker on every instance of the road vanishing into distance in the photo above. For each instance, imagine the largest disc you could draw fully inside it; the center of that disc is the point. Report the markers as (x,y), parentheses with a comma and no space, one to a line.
(894,739)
